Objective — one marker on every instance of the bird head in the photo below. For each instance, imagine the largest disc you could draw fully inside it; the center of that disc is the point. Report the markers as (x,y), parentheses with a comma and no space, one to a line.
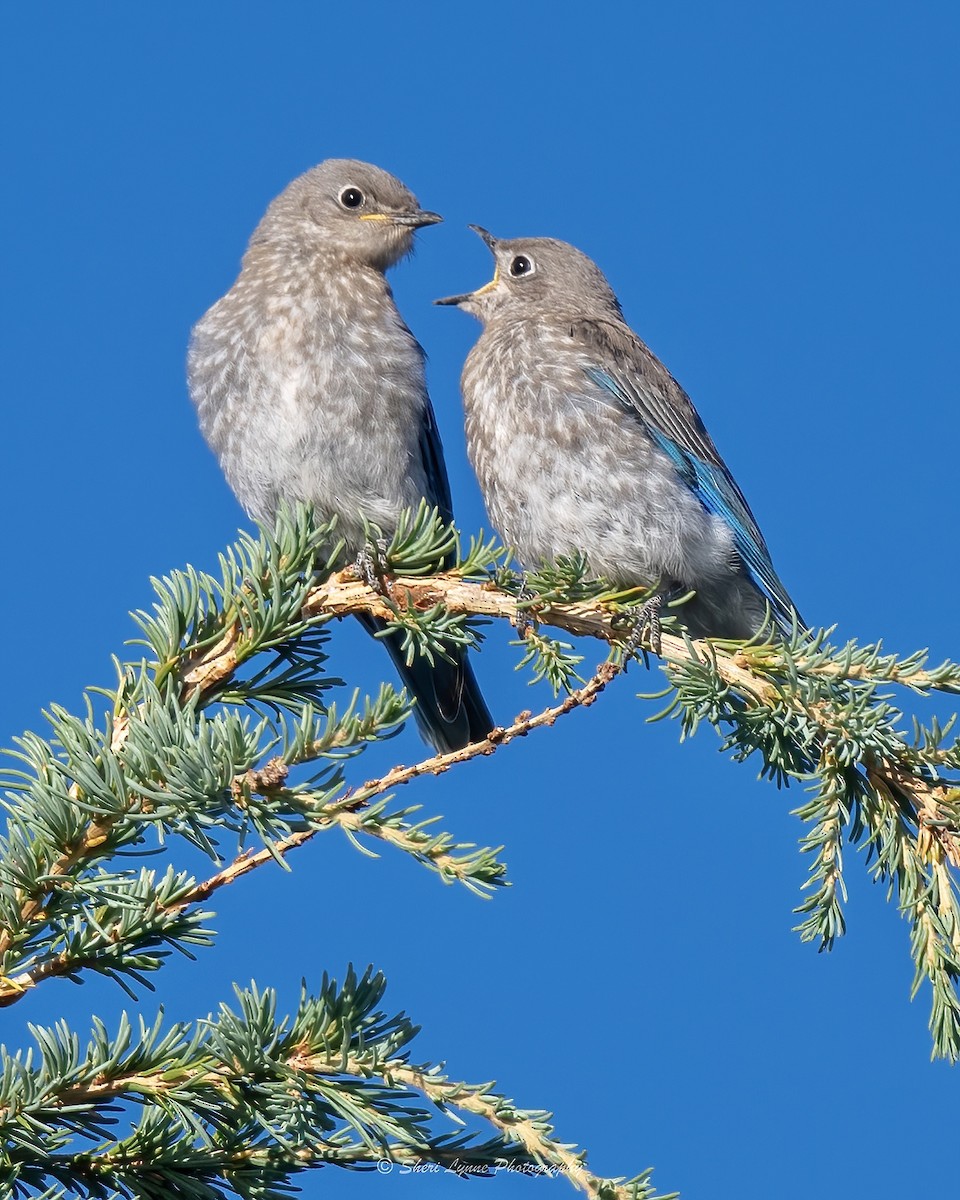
(349,208)
(534,277)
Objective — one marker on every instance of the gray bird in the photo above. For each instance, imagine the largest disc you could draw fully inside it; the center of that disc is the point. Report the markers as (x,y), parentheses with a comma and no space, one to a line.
(309,386)
(583,441)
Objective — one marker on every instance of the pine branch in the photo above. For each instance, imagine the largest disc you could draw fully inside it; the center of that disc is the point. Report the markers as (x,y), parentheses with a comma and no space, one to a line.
(814,714)
(241,1102)
(354,815)
(180,754)
(101,944)
(230,727)
(191,746)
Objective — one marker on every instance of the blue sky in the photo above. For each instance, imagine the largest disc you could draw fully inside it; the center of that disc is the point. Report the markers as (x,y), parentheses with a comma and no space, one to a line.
(772,190)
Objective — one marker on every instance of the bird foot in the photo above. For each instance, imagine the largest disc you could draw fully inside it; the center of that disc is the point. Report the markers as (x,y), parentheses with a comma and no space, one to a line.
(645,624)
(371,567)
(524,620)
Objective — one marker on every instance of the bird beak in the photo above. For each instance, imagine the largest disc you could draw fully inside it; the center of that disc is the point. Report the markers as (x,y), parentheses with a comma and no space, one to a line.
(491,243)
(416,220)
(487,287)
(489,240)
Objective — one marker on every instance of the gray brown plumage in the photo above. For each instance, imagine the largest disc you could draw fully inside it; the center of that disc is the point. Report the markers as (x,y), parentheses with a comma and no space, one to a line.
(584,442)
(309,386)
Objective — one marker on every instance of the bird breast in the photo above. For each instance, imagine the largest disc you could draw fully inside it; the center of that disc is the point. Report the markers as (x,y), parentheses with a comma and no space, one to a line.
(312,388)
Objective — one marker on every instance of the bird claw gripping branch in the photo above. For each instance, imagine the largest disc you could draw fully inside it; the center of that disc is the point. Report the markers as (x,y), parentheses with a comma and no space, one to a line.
(645,622)
(371,567)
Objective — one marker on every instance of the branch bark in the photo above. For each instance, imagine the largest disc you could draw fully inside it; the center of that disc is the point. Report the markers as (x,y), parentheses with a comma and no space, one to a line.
(343,595)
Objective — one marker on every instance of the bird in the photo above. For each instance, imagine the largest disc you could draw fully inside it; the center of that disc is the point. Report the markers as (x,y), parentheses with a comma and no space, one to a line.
(584,443)
(308,386)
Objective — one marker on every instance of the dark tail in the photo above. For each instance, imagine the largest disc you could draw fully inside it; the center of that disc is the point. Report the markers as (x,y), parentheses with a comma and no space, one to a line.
(450,710)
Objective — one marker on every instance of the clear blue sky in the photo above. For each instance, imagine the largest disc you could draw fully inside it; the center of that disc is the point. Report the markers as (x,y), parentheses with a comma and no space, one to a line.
(773,191)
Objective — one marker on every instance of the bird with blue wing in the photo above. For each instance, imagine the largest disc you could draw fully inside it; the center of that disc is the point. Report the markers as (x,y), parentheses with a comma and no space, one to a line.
(583,441)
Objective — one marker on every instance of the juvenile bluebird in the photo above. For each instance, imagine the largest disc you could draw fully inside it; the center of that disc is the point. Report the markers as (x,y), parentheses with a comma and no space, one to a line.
(583,441)
(309,386)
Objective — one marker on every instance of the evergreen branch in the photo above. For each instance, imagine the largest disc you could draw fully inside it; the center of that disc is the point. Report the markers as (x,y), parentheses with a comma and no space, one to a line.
(871,665)
(580,698)
(529,1130)
(130,941)
(175,754)
(79,807)
(354,815)
(828,814)
(123,925)
(549,659)
(429,634)
(758,674)
(813,713)
(191,745)
(342,594)
(243,1101)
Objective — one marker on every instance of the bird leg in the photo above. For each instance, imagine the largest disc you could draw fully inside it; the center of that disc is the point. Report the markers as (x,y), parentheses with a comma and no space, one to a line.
(371,566)
(645,623)
(644,619)
(524,620)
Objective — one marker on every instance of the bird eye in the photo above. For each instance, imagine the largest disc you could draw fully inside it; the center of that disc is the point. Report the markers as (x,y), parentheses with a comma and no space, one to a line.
(351,197)
(521,265)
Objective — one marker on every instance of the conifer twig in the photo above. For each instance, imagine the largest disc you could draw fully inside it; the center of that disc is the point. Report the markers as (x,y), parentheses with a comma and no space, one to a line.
(347,811)
(342,595)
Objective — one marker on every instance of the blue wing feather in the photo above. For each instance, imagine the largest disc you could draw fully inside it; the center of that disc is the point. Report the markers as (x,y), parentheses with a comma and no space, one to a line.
(717,491)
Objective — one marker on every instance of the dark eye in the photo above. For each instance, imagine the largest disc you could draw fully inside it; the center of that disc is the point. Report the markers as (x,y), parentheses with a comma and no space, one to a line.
(351,197)
(521,265)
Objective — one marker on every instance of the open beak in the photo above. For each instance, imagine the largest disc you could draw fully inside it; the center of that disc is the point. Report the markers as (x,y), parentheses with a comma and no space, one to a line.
(454,299)
(491,243)
(489,240)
